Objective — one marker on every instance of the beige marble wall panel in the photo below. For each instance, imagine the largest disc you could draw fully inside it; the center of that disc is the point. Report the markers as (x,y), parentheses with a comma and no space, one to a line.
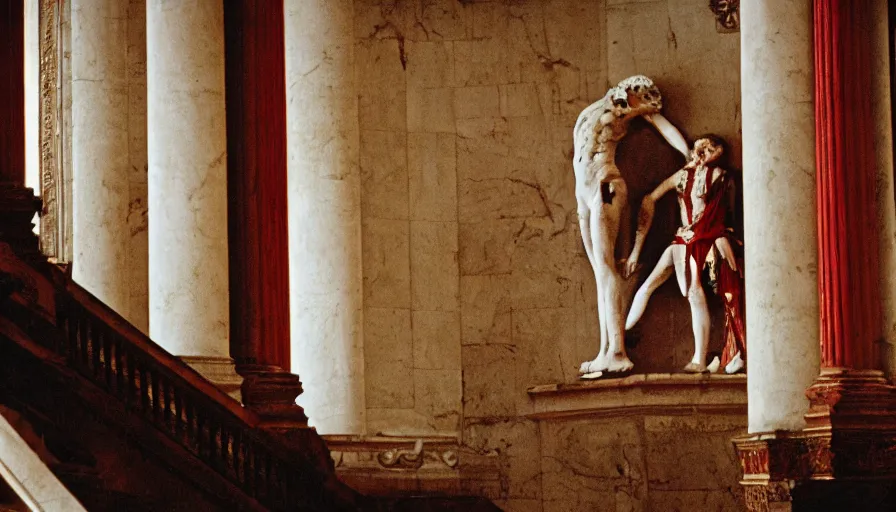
(486,309)
(708,439)
(779,174)
(187,188)
(387,268)
(489,381)
(437,397)
(434,271)
(436,340)
(389,358)
(384,163)
(432,176)
(100,163)
(593,464)
(382,97)
(516,441)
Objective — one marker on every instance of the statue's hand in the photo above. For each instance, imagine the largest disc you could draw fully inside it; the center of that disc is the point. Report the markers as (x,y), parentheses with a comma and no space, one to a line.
(727,252)
(630,267)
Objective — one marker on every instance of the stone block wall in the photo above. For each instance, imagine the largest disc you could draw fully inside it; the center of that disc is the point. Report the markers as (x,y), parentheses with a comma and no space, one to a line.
(476,286)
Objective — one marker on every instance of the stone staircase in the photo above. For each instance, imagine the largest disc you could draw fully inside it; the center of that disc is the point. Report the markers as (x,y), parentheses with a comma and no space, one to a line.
(127,426)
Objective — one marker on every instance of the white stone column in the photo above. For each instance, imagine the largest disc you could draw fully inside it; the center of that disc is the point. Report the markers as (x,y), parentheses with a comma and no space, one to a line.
(188,255)
(883,145)
(324,214)
(780,235)
(100,159)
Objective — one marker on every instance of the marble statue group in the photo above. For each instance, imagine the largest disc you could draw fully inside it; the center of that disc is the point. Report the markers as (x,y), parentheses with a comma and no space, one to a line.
(701,253)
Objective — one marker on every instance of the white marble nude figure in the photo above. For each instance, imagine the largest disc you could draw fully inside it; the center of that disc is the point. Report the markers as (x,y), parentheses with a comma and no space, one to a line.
(602,197)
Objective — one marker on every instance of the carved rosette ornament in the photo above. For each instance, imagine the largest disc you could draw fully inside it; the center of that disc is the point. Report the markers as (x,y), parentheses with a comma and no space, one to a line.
(727,14)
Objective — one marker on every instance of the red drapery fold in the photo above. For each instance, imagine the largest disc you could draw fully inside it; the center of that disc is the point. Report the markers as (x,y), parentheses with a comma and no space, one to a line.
(12,91)
(847,207)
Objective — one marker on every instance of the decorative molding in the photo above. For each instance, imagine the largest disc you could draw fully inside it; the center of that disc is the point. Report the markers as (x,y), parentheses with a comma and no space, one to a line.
(395,453)
(727,15)
(52,173)
(661,393)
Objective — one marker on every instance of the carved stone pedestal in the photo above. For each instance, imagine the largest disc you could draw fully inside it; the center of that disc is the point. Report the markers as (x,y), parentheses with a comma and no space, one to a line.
(845,458)
(17,208)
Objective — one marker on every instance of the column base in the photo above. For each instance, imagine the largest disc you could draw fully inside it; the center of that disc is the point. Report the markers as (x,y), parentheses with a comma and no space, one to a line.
(220,371)
(271,392)
(17,208)
(844,459)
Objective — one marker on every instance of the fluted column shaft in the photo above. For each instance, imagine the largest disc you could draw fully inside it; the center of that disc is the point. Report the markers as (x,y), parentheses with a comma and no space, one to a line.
(780,236)
(325,213)
(188,268)
(256,144)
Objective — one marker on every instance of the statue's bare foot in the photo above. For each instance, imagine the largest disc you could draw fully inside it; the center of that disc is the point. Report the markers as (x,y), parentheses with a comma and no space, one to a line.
(619,363)
(693,367)
(713,366)
(598,364)
(736,365)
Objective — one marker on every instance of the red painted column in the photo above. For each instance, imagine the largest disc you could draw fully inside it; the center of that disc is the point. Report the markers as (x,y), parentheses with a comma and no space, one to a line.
(847,219)
(12,91)
(256,174)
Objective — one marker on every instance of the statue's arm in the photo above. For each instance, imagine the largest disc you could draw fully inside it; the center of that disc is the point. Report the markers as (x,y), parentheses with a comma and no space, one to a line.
(670,133)
(645,219)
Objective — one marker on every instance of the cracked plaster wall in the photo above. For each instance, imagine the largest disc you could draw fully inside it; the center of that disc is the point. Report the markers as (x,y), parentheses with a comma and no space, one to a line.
(476,285)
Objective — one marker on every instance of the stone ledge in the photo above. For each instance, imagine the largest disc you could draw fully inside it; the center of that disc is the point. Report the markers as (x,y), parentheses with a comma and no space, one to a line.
(655,393)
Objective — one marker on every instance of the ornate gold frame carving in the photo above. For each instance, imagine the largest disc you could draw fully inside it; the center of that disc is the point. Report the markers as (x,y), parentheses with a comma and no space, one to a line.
(55,219)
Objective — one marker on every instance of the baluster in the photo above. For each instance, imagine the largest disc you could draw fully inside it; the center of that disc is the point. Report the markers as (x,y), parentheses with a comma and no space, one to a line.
(119,369)
(144,386)
(179,417)
(156,408)
(200,426)
(73,326)
(107,357)
(167,395)
(249,470)
(214,443)
(238,457)
(268,481)
(95,344)
(258,467)
(191,429)
(131,379)
(83,336)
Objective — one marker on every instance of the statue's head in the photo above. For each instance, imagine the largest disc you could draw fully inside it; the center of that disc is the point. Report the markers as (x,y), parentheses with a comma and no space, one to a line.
(708,148)
(636,96)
